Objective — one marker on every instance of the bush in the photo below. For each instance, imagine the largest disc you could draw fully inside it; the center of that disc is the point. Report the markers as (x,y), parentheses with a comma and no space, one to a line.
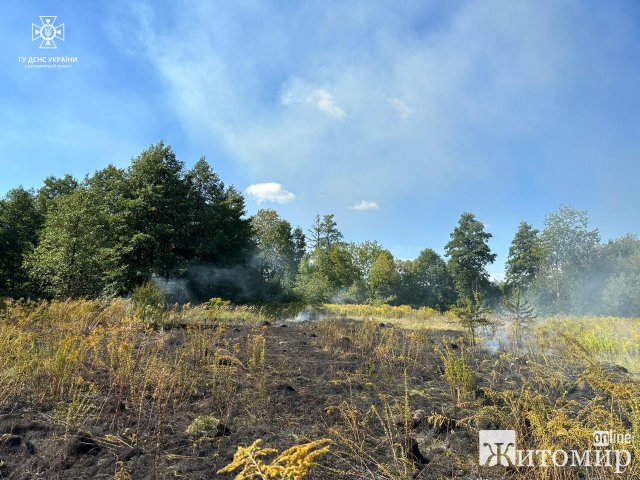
(218,303)
(148,295)
(204,426)
(149,304)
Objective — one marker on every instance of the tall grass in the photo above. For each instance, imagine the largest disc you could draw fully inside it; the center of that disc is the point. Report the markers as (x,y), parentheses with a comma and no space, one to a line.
(380,311)
(404,316)
(612,340)
(82,357)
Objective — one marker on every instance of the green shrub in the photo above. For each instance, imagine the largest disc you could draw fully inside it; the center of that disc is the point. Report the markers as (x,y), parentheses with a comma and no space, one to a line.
(148,295)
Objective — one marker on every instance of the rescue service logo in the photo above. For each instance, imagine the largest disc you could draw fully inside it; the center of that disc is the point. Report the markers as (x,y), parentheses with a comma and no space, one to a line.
(610,451)
(48,32)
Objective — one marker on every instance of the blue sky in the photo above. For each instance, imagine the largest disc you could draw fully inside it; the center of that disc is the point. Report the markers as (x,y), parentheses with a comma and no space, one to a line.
(412,111)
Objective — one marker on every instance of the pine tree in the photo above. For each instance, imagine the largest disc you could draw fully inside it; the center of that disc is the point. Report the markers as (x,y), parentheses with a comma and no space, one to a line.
(521,314)
(469,254)
(473,313)
(525,255)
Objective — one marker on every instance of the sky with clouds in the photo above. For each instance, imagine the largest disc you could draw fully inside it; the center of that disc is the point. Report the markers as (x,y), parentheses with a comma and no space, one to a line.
(395,116)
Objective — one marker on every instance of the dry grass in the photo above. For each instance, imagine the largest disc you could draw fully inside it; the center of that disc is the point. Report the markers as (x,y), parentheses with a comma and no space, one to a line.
(410,386)
(403,316)
(607,339)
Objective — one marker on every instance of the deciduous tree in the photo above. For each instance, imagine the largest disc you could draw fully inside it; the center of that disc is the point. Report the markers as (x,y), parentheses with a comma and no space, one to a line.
(20,221)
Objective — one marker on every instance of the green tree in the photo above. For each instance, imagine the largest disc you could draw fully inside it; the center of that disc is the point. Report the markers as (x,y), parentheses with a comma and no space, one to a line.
(333,269)
(619,250)
(406,289)
(329,263)
(53,188)
(570,254)
(469,254)
(299,245)
(621,266)
(110,186)
(312,282)
(324,232)
(72,257)
(622,295)
(20,221)
(218,233)
(275,248)
(473,313)
(429,282)
(569,244)
(521,314)
(364,256)
(314,234)
(383,279)
(157,214)
(620,255)
(237,244)
(525,255)
(338,265)
(331,235)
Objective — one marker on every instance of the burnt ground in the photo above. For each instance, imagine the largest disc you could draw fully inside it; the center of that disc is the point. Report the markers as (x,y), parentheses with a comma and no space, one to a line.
(320,380)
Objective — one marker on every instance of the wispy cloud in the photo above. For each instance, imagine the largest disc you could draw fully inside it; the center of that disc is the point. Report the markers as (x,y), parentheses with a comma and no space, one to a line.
(321,98)
(269,192)
(365,205)
(404,110)
(312,97)
(324,101)
(296,99)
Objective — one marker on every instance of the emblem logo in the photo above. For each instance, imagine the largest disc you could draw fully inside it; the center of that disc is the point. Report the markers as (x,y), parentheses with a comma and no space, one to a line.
(48,32)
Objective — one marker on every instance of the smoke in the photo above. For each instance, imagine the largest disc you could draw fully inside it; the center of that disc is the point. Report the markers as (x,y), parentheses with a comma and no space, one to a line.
(202,282)
(574,294)
(497,337)
(341,297)
(175,290)
(309,313)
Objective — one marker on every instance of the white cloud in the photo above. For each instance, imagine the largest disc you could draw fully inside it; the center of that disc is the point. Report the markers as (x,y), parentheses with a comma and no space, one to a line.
(324,101)
(365,205)
(404,110)
(269,192)
(321,98)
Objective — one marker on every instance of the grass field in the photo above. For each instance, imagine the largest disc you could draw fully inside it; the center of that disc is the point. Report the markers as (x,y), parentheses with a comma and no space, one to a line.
(115,389)
(606,339)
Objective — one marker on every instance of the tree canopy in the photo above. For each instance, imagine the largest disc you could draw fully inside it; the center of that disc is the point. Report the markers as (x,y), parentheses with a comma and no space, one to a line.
(189,232)
(469,254)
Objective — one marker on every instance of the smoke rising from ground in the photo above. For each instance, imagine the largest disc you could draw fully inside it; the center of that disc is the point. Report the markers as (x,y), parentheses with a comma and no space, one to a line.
(200,283)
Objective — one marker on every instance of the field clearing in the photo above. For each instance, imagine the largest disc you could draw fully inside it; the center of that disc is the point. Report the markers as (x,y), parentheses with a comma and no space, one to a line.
(118,389)
(614,340)
(403,316)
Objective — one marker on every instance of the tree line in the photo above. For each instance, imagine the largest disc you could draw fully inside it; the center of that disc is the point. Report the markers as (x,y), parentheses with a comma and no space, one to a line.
(157,220)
